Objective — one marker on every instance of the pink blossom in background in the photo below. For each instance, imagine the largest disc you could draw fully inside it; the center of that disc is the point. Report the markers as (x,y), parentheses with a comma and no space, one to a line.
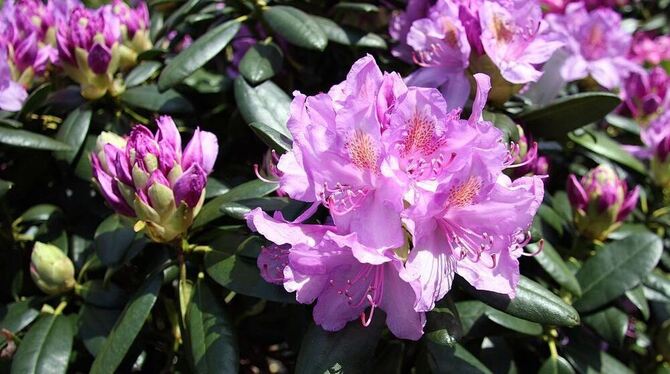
(594,41)
(647,49)
(558,6)
(416,194)
(646,94)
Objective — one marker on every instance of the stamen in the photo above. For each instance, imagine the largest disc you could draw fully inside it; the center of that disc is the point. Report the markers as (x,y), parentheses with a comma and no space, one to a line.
(540,248)
(262,178)
(366,321)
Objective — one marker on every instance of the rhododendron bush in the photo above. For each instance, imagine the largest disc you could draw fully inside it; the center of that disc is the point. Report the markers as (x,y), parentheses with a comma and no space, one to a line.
(418,186)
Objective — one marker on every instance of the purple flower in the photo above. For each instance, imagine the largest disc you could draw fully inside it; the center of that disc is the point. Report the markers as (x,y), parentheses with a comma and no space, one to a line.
(526,157)
(645,94)
(147,176)
(647,49)
(595,42)
(319,263)
(656,138)
(558,6)
(134,25)
(12,94)
(600,201)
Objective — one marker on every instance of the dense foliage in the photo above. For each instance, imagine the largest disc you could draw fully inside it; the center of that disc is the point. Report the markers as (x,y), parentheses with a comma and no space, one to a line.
(334,186)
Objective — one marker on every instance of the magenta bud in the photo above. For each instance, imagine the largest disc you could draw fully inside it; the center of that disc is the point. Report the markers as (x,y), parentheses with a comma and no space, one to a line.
(98,58)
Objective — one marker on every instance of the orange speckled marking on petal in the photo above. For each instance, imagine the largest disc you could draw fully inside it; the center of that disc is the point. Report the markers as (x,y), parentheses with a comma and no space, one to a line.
(420,136)
(464,194)
(363,151)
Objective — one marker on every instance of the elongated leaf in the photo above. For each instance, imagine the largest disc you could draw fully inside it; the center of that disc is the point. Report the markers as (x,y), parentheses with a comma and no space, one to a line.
(610,323)
(128,326)
(347,36)
(248,190)
(514,323)
(96,293)
(261,62)
(443,325)
(556,365)
(142,72)
(616,268)
(197,54)
(16,316)
(73,132)
(266,104)
(455,359)
(211,334)
(597,142)
(532,302)
(150,98)
(295,26)
(94,326)
(470,312)
(346,351)
(27,139)
(554,265)
(272,137)
(636,296)
(46,347)
(112,240)
(587,357)
(557,119)
(241,274)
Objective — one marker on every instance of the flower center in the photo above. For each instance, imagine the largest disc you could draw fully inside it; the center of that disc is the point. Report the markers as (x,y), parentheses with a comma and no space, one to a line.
(450,32)
(420,136)
(362,151)
(465,193)
(503,33)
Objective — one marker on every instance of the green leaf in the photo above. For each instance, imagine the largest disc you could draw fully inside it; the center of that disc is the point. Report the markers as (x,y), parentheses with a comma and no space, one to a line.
(261,62)
(5,186)
(533,302)
(295,26)
(211,334)
(624,123)
(142,72)
(552,218)
(239,209)
(658,282)
(588,358)
(266,104)
(455,359)
(636,296)
(272,137)
(46,346)
(113,239)
(241,274)
(610,323)
(36,99)
(96,293)
(504,123)
(347,36)
(554,265)
(39,213)
(557,119)
(514,323)
(600,143)
(556,365)
(616,268)
(197,54)
(73,132)
(345,351)
(94,326)
(357,7)
(148,97)
(249,190)
(27,139)
(443,325)
(127,327)
(470,312)
(16,316)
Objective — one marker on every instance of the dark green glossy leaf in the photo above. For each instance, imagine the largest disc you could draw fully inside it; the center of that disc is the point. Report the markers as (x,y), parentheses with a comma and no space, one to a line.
(587,357)
(206,82)
(624,123)
(261,62)
(443,325)
(266,104)
(211,334)
(94,326)
(532,302)
(556,365)
(127,327)
(215,188)
(557,119)
(600,143)
(610,323)
(113,239)
(553,264)
(197,54)
(617,267)
(658,282)
(358,7)
(636,296)
(239,209)
(295,26)
(73,132)
(46,346)
(16,316)
(241,274)
(148,97)
(39,213)
(177,16)
(470,312)
(348,36)
(142,72)
(96,293)
(514,323)
(345,351)
(272,137)
(36,99)
(550,217)
(249,190)
(27,139)
(455,359)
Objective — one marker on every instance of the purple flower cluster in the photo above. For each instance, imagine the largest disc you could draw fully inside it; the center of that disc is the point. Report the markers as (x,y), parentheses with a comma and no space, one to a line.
(600,201)
(646,94)
(148,177)
(656,138)
(452,38)
(646,49)
(558,6)
(415,195)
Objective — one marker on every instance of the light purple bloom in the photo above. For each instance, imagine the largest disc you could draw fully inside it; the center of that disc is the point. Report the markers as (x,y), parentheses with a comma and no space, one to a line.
(134,24)
(595,42)
(646,94)
(12,94)
(148,177)
(319,264)
(647,49)
(656,137)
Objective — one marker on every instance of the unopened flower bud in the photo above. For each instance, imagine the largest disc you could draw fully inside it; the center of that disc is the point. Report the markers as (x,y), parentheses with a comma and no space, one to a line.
(51,269)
